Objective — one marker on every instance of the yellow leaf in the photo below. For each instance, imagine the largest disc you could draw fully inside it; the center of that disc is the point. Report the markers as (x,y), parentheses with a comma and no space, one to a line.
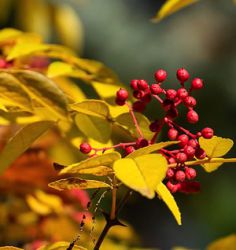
(9,33)
(10,248)
(105,91)
(216,146)
(90,107)
(2,107)
(37,206)
(127,121)
(21,141)
(142,173)
(97,128)
(169,200)
(96,161)
(117,110)
(44,91)
(97,171)
(172,6)
(225,243)
(12,92)
(60,245)
(151,148)
(75,182)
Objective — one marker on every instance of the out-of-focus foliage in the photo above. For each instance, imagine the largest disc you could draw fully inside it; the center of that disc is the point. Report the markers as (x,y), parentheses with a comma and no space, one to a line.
(227,243)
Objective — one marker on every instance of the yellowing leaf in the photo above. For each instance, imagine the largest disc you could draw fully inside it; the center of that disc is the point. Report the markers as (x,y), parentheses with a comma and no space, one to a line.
(97,128)
(9,33)
(74,182)
(216,146)
(97,171)
(143,173)
(224,243)
(151,148)
(10,248)
(96,108)
(21,141)
(126,121)
(172,6)
(37,206)
(96,161)
(60,245)
(117,110)
(105,91)
(12,92)
(169,200)
(43,90)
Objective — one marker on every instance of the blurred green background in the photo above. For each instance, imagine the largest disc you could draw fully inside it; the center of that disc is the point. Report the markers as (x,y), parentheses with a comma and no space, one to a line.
(201,38)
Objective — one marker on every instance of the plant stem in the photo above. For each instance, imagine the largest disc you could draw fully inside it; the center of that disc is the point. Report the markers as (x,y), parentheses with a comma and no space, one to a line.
(123,144)
(113,203)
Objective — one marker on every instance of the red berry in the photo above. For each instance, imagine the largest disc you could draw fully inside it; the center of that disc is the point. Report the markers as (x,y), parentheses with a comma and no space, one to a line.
(138,94)
(156,89)
(172,112)
(167,104)
(190,173)
(3,63)
(171,94)
(189,151)
(154,126)
(171,160)
(180,176)
(190,101)
(200,153)
(141,143)
(197,83)
(139,106)
(129,149)
(160,75)
(146,98)
(170,173)
(142,85)
(192,116)
(85,148)
(122,95)
(172,134)
(134,84)
(172,187)
(119,102)
(181,157)
(193,143)
(207,133)
(183,140)
(189,187)
(182,93)
(182,75)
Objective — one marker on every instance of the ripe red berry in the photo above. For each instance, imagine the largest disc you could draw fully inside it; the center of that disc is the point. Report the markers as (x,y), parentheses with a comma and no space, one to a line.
(197,83)
(156,89)
(190,173)
(171,94)
(147,97)
(138,94)
(172,134)
(134,84)
(182,93)
(181,157)
(200,153)
(129,150)
(142,85)
(189,151)
(170,173)
(172,112)
(183,140)
(192,116)
(171,160)
(182,75)
(122,94)
(85,148)
(3,63)
(154,126)
(160,75)
(139,106)
(120,102)
(190,101)
(172,187)
(180,176)
(193,143)
(207,133)
(141,143)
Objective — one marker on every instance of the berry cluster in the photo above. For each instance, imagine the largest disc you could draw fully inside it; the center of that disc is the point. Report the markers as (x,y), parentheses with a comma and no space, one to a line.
(180,177)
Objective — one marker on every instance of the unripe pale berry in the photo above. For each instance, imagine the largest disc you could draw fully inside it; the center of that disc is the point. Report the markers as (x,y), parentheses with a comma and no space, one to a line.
(134,84)
(182,75)
(200,153)
(197,83)
(180,175)
(181,157)
(142,85)
(171,94)
(129,150)
(85,148)
(190,173)
(172,134)
(182,93)
(156,89)
(183,140)
(160,75)
(190,101)
(139,106)
(170,173)
(192,116)
(207,133)
(122,95)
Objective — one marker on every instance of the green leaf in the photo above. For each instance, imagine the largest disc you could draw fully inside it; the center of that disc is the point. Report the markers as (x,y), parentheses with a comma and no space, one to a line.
(60,245)
(97,128)
(169,200)
(75,182)
(143,173)
(43,90)
(96,108)
(12,92)
(96,161)
(151,148)
(127,121)
(21,141)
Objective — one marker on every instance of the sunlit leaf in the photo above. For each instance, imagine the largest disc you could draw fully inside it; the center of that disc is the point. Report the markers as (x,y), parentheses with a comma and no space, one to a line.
(10,248)
(9,33)
(127,121)
(21,141)
(225,243)
(169,200)
(97,171)
(75,182)
(172,6)
(60,245)
(142,173)
(38,206)
(96,161)
(97,128)
(151,148)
